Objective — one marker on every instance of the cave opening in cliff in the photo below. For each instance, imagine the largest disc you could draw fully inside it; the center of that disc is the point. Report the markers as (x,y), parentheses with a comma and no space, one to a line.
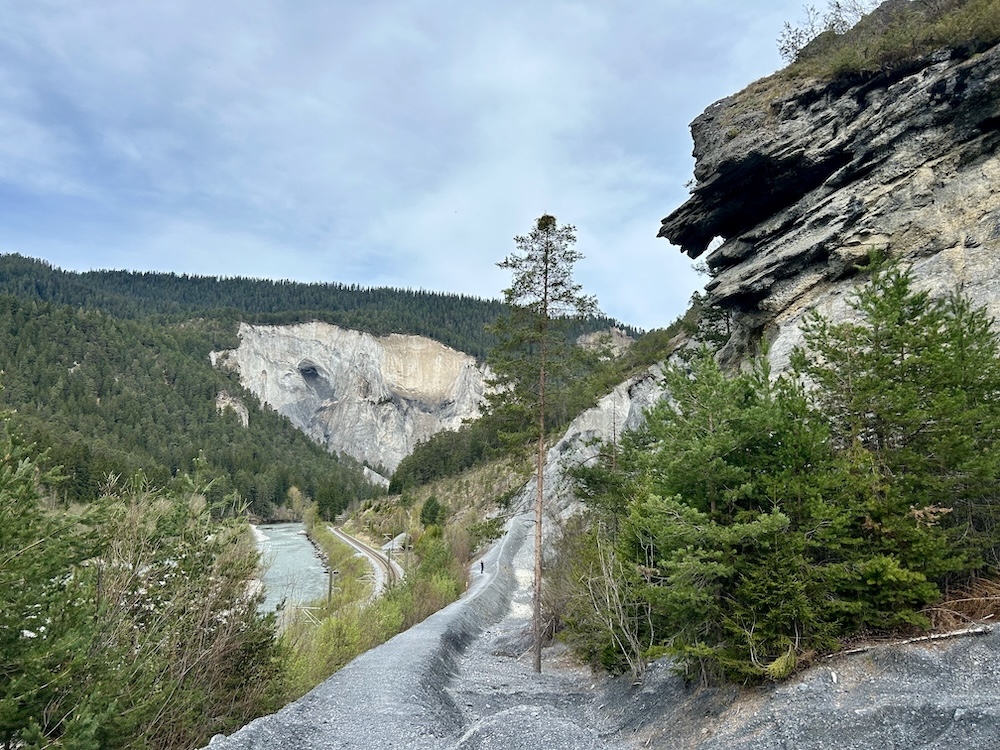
(309,370)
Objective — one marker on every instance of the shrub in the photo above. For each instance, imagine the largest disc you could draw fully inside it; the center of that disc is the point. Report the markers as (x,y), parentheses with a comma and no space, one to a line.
(97,614)
(431,512)
(754,521)
(890,38)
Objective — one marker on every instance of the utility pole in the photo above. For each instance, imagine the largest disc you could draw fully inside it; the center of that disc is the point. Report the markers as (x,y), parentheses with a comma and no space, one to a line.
(330,587)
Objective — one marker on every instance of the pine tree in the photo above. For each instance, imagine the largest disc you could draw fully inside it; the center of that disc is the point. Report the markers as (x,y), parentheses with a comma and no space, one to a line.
(542,297)
(913,386)
(42,615)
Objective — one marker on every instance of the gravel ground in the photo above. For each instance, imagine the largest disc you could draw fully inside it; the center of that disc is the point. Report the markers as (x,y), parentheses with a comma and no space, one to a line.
(463,679)
(503,703)
(460,679)
(943,695)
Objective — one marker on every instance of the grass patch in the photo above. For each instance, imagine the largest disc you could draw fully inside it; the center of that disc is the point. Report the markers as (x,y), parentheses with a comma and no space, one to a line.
(977,601)
(888,41)
(898,35)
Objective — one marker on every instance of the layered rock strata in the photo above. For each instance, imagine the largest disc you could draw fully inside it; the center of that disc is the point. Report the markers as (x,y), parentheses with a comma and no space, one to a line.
(802,179)
(371,397)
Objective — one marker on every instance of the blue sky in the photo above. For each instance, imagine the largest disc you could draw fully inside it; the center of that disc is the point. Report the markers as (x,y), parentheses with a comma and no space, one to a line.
(385,143)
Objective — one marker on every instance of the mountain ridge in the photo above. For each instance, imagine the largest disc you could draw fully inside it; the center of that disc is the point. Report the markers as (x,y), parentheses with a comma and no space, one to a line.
(456,320)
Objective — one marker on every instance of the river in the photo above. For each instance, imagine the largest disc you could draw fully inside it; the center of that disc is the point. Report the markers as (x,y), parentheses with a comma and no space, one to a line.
(293,571)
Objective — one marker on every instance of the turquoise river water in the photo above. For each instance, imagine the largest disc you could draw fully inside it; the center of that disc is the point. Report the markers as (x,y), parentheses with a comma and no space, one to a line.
(294,572)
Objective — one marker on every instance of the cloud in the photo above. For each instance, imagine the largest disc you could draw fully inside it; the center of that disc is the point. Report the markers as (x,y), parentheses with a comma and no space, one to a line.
(389,143)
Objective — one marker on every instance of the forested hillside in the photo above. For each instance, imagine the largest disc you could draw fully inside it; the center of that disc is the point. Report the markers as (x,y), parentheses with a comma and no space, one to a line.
(458,321)
(109,396)
(110,371)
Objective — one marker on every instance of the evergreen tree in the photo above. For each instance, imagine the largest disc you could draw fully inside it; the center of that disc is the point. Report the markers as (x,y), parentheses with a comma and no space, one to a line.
(105,397)
(757,520)
(913,389)
(43,617)
(542,296)
(453,319)
(431,511)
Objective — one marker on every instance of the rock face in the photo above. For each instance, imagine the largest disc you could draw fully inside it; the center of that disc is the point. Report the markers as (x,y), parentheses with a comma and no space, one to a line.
(802,179)
(621,410)
(224,400)
(371,397)
(614,341)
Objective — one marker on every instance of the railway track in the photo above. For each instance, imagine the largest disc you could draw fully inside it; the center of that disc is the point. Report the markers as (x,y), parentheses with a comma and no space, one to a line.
(386,572)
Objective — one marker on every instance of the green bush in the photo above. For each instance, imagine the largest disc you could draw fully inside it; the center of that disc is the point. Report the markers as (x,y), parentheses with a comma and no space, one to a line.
(431,512)
(485,532)
(97,613)
(754,522)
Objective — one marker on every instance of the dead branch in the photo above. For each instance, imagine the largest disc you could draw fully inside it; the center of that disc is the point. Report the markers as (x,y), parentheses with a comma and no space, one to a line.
(976,630)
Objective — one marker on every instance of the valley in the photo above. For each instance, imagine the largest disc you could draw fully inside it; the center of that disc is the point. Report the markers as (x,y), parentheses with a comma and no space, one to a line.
(772,523)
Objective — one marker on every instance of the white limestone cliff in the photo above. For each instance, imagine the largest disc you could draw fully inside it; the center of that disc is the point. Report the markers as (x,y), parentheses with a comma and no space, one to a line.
(622,410)
(372,397)
(614,341)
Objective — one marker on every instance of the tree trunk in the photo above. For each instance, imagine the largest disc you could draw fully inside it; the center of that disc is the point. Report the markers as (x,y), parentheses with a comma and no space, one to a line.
(537,657)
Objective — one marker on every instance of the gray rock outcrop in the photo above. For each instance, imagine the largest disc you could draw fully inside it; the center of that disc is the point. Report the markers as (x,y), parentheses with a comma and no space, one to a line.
(621,410)
(371,397)
(931,697)
(801,179)
(226,401)
(613,341)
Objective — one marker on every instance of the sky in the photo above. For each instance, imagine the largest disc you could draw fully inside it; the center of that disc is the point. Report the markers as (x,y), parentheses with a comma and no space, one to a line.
(393,143)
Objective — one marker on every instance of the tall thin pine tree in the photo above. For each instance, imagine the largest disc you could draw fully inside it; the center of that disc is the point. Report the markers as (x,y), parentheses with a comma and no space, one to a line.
(542,296)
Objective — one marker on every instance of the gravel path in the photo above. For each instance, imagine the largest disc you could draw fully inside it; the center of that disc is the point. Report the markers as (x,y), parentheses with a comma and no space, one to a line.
(460,679)
(503,702)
